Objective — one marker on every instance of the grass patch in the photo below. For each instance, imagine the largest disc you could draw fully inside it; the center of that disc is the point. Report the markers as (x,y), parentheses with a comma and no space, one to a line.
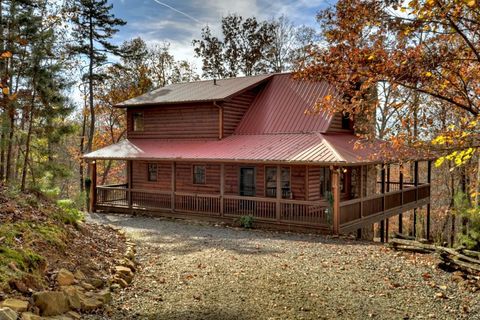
(26,260)
(28,232)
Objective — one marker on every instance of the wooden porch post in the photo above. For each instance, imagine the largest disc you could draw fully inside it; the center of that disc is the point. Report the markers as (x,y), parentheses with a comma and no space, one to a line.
(173,185)
(336,200)
(222,187)
(129,187)
(429,180)
(93,186)
(386,230)
(415,182)
(279,192)
(359,231)
(382,223)
(400,216)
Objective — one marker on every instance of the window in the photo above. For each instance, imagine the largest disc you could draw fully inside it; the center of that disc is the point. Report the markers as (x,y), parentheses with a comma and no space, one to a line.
(137,120)
(346,121)
(152,172)
(271,182)
(199,173)
(325,181)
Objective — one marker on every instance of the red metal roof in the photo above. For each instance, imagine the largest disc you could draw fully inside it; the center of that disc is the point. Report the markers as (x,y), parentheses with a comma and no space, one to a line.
(283,107)
(293,148)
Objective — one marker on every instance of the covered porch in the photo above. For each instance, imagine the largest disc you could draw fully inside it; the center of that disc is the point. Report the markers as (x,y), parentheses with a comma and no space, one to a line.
(314,198)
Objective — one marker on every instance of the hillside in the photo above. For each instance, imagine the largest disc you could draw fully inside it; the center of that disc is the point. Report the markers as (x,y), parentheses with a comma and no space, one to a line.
(47,247)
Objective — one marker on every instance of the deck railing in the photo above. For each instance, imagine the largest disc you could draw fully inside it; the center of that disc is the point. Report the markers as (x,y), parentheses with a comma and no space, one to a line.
(352,212)
(262,209)
(315,213)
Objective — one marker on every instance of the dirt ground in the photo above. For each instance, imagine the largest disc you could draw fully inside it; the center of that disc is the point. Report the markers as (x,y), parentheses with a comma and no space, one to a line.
(190,270)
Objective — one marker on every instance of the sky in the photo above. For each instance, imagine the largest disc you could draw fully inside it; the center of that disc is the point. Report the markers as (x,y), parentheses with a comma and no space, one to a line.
(178,22)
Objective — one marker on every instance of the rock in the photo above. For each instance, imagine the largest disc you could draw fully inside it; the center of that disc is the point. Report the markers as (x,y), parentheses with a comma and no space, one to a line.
(18,285)
(104,295)
(115,287)
(130,254)
(73,315)
(30,316)
(97,282)
(65,277)
(7,314)
(90,304)
(73,297)
(87,286)
(79,275)
(125,273)
(127,263)
(51,303)
(16,305)
(120,281)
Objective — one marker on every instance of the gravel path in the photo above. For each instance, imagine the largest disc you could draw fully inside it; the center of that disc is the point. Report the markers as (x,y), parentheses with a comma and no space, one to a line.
(190,270)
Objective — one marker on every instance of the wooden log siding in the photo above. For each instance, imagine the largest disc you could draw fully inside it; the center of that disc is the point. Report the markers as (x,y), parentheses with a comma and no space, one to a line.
(184,179)
(234,110)
(176,122)
(313,183)
(140,176)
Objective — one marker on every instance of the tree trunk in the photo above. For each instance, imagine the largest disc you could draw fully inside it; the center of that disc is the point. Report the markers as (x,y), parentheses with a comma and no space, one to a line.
(8,164)
(27,144)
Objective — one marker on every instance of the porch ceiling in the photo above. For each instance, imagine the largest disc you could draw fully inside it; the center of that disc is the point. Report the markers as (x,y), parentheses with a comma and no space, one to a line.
(291,148)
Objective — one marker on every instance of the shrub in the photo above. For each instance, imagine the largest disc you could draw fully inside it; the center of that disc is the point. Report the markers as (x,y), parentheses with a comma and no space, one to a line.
(470,237)
(246,221)
(68,213)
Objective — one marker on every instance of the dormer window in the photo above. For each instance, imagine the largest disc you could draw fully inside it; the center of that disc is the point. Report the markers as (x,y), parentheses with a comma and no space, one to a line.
(137,120)
(346,121)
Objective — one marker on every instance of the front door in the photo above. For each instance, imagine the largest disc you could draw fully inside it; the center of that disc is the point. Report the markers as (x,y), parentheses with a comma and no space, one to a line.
(247,182)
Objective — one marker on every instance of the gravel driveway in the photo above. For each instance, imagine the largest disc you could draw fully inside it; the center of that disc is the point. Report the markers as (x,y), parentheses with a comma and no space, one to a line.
(190,270)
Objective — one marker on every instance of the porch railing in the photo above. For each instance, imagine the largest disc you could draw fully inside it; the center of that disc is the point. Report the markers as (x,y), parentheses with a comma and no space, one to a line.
(389,203)
(352,212)
(290,211)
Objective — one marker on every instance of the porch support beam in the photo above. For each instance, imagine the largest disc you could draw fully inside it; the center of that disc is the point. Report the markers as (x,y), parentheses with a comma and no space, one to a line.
(222,187)
(93,186)
(336,199)
(400,216)
(173,185)
(429,180)
(415,182)
(278,192)
(129,182)
(382,187)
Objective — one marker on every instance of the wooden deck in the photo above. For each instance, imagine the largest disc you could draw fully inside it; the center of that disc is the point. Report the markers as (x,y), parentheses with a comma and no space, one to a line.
(354,214)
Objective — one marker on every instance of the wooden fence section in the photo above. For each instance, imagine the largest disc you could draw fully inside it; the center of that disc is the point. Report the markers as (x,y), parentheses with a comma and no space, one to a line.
(358,213)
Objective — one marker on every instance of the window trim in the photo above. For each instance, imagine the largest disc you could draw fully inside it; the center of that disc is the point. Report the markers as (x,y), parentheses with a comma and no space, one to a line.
(204,174)
(148,171)
(265,180)
(239,176)
(142,114)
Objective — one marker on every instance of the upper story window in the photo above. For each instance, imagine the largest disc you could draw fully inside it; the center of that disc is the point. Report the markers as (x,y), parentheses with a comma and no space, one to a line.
(199,174)
(152,172)
(137,121)
(271,182)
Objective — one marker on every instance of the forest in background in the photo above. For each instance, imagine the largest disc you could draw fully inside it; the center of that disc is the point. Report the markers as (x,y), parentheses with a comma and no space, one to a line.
(421,57)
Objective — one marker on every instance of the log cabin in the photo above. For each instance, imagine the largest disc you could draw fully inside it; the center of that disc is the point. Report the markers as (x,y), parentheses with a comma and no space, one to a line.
(253,146)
